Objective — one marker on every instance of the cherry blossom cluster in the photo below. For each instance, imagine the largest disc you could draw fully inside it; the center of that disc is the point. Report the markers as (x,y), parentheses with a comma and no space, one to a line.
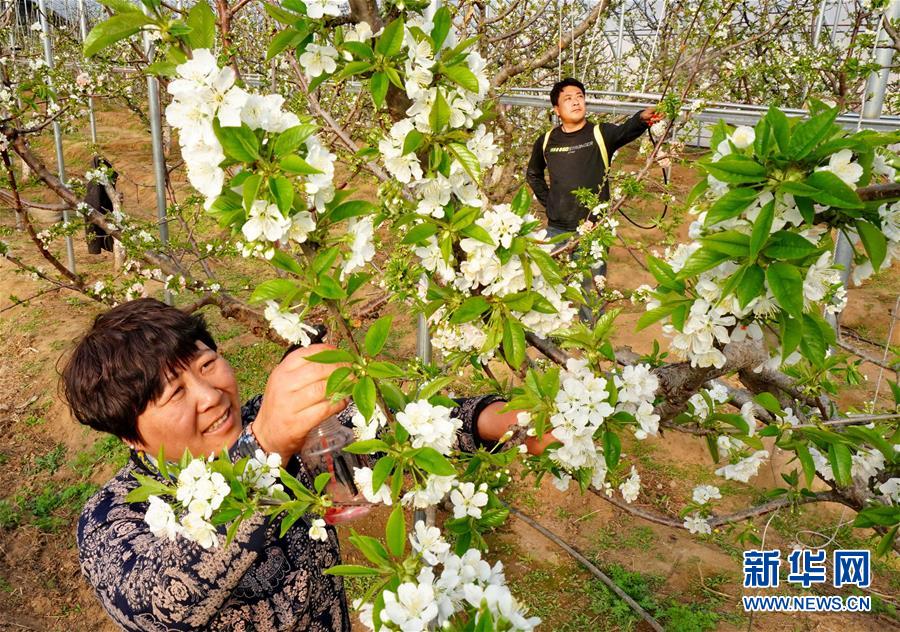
(714,320)
(447,584)
(582,404)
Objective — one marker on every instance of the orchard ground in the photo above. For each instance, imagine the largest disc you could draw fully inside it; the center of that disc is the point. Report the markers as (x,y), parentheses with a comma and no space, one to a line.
(49,465)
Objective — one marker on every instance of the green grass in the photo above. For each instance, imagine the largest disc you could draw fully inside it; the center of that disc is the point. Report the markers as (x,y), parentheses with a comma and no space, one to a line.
(45,508)
(252,365)
(34,420)
(108,449)
(10,515)
(579,602)
(51,461)
(610,537)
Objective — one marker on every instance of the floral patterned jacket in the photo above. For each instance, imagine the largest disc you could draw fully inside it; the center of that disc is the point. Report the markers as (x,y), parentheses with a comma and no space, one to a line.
(260,582)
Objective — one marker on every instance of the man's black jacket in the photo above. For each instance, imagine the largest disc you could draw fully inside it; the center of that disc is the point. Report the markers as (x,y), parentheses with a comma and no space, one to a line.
(574,161)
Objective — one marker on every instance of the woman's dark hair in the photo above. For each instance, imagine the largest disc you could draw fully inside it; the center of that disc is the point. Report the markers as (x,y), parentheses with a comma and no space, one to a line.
(558,88)
(123,362)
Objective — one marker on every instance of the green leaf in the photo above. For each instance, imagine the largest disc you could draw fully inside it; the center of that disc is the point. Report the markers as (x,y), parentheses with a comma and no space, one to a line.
(295,164)
(284,261)
(791,331)
(841,461)
(751,285)
(364,396)
(380,370)
(250,189)
(467,159)
(729,242)
(273,290)
(391,40)
(395,532)
(736,169)
(522,201)
(419,233)
(382,470)
(874,242)
(806,461)
(283,192)
(377,335)
(413,141)
(472,308)
(116,28)
(440,113)
(730,205)
(442,22)
(120,6)
(360,50)
(321,481)
(369,446)
(701,261)
(238,143)
(462,76)
(337,381)
(352,570)
(762,138)
(787,285)
(769,402)
(513,343)
(781,127)
(378,86)
(290,139)
(329,288)
(433,462)
(650,317)
(203,26)
(877,516)
(288,38)
(832,191)
(331,356)
(812,344)
(762,227)
(887,542)
(808,134)
(352,68)
(787,245)
(612,448)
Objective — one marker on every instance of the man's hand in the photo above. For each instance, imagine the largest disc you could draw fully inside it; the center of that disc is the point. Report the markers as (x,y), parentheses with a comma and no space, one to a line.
(294,402)
(651,116)
(492,425)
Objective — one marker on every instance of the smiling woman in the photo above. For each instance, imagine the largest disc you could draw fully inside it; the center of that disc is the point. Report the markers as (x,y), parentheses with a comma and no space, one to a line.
(151,375)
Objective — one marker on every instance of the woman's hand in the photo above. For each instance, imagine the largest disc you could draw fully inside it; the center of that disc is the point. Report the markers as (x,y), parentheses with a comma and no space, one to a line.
(492,424)
(294,402)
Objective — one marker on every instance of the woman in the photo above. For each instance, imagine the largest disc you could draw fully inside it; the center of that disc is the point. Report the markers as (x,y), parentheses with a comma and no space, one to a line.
(151,375)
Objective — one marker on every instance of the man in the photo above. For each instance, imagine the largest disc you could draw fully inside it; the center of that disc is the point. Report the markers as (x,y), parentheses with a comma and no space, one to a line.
(572,154)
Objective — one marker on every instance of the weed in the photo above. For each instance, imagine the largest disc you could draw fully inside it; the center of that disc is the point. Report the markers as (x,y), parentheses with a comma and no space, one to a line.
(10,515)
(642,538)
(51,461)
(50,499)
(3,458)
(5,586)
(34,420)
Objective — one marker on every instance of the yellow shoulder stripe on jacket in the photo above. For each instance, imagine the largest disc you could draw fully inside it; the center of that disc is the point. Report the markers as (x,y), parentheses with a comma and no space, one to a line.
(598,137)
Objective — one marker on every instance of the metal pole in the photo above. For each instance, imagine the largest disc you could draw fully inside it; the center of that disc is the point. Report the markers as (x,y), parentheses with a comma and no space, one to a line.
(57,133)
(619,44)
(817,33)
(837,20)
(82,22)
(661,19)
(878,81)
(159,160)
(11,6)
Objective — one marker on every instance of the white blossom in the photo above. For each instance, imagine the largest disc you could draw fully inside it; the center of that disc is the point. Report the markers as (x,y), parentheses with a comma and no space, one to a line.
(467,501)
(695,523)
(317,530)
(704,493)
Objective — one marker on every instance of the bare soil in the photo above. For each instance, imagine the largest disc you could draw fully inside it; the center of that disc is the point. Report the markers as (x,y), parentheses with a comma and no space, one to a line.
(40,583)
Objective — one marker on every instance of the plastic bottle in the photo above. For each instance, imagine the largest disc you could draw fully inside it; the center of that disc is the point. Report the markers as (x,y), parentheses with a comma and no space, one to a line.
(323,452)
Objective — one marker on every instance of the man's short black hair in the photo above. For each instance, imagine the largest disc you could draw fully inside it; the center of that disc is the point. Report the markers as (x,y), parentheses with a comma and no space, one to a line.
(121,365)
(565,83)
